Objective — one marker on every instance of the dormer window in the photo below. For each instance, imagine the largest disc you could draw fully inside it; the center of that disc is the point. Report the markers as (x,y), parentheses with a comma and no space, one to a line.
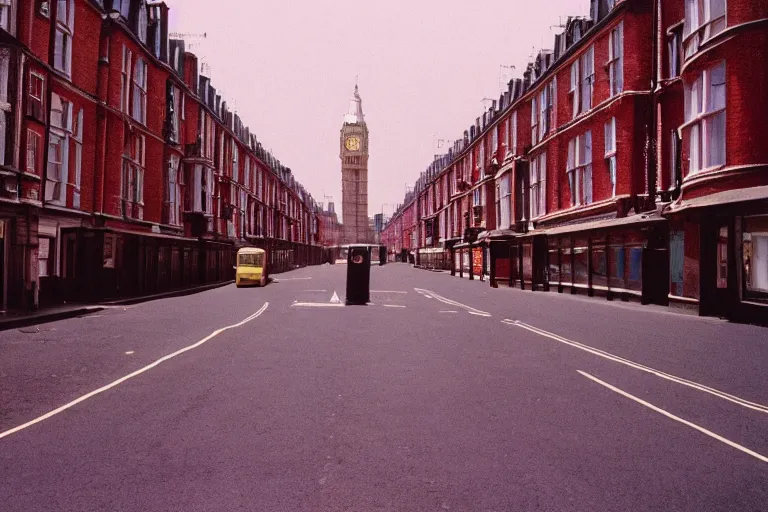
(141,23)
(6,7)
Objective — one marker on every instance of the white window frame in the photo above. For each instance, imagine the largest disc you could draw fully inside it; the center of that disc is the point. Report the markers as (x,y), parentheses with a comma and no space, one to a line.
(538,186)
(125,85)
(534,120)
(6,15)
(514,132)
(60,131)
(481,158)
(6,109)
(702,118)
(575,88)
(611,158)
(139,86)
(579,169)
(235,161)
(132,183)
(36,78)
(175,116)
(674,53)
(173,184)
(587,83)
(33,148)
(701,23)
(141,23)
(616,60)
(77,139)
(65,30)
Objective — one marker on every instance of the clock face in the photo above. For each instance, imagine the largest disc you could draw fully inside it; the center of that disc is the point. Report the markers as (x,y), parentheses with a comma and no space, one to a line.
(352,144)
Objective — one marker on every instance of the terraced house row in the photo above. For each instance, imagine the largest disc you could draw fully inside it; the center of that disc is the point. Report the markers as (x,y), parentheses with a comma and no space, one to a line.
(627,162)
(123,171)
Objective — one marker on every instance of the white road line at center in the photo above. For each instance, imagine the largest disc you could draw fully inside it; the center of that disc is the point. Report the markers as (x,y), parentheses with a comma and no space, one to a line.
(393,306)
(318,304)
(315,290)
(131,375)
(676,418)
(663,375)
(444,300)
(387,291)
(452,311)
(278,280)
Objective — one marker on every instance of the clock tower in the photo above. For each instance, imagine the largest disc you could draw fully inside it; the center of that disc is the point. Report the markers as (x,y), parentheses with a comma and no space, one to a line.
(354,174)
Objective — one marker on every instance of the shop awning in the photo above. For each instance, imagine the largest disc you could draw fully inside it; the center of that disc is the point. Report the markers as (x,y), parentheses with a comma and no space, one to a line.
(739,195)
(633,220)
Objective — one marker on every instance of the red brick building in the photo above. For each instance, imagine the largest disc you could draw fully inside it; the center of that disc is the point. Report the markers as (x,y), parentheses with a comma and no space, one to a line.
(624,163)
(124,173)
(716,172)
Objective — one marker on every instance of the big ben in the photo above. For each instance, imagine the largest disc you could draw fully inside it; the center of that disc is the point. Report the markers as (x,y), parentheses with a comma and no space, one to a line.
(354,173)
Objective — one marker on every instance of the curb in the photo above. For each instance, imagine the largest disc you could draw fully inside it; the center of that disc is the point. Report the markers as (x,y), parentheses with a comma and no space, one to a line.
(167,295)
(47,318)
(44,318)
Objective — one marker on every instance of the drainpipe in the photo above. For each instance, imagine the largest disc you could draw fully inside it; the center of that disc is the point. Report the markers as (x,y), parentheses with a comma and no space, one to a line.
(652,165)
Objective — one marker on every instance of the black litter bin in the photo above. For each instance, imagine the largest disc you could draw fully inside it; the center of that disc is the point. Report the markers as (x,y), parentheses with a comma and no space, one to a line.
(382,255)
(358,275)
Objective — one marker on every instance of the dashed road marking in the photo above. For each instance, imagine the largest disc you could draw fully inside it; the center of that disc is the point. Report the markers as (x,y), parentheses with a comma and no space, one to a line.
(676,418)
(388,291)
(611,357)
(430,294)
(393,306)
(131,375)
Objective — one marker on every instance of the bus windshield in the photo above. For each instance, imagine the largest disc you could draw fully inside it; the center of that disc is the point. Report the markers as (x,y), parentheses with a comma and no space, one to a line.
(251,260)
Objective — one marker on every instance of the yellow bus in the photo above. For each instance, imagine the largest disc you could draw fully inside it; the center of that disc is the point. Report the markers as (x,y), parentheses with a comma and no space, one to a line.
(251,267)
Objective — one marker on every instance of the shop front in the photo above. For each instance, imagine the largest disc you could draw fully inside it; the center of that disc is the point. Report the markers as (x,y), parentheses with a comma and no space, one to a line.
(623,258)
(719,254)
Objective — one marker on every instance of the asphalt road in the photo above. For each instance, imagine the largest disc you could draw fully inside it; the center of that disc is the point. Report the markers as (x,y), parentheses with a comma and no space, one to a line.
(443,394)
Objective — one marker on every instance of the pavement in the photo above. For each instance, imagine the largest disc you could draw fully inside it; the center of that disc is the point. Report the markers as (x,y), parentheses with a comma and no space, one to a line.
(443,394)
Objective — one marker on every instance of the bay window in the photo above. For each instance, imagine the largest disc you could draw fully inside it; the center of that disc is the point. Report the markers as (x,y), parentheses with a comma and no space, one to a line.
(172,108)
(512,133)
(579,169)
(703,19)
(705,118)
(616,60)
(504,202)
(538,186)
(534,121)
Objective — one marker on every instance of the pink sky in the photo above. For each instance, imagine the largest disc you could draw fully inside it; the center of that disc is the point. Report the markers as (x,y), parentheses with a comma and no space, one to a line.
(289,69)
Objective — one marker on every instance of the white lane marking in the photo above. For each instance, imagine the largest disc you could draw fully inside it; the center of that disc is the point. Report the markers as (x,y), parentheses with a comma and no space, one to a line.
(317,305)
(131,375)
(393,306)
(387,291)
(676,418)
(129,353)
(479,314)
(607,355)
(291,279)
(315,290)
(444,300)
(335,299)
(449,311)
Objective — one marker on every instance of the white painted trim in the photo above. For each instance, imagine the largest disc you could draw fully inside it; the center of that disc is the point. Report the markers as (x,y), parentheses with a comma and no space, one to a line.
(677,418)
(131,375)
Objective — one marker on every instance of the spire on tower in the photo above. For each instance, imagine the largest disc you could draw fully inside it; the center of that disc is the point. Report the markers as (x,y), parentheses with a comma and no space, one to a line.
(355,113)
